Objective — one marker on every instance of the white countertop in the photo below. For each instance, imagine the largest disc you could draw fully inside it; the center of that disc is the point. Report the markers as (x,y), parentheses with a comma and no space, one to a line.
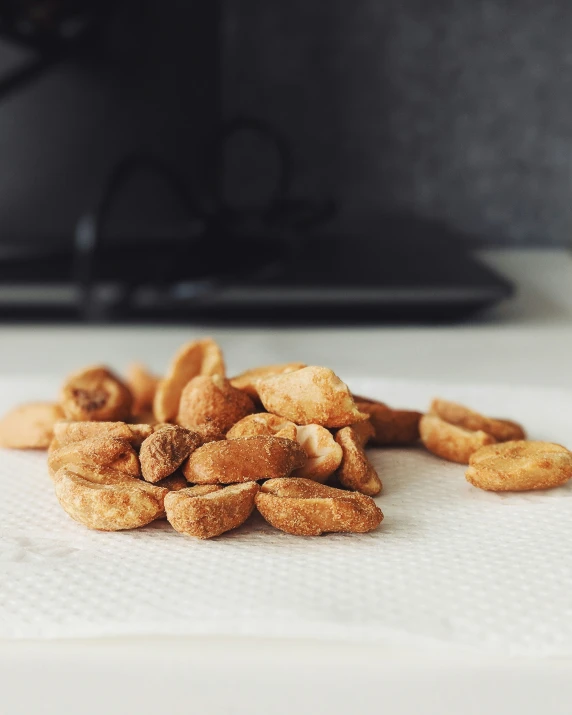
(527,340)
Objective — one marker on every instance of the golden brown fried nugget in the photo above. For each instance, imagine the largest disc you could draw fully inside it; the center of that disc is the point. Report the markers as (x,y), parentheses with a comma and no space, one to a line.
(323,452)
(67,432)
(30,426)
(243,460)
(212,399)
(95,394)
(165,450)
(105,460)
(306,508)
(262,423)
(519,466)
(449,441)
(455,414)
(246,381)
(312,395)
(200,357)
(356,471)
(207,511)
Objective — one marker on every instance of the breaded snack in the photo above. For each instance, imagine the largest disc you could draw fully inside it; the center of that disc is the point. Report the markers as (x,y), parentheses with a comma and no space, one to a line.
(245,459)
(449,441)
(312,395)
(356,471)
(455,414)
(306,508)
(95,394)
(30,426)
(67,432)
(212,400)
(165,450)
(200,357)
(143,386)
(109,507)
(263,423)
(519,466)
(323,452)
(246,381)
(204,514)
(106,460)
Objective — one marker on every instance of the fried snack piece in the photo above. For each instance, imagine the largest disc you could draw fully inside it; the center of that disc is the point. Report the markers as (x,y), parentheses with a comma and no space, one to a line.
(263,423)
(243,460)
(107,460)
(364,431)
(246,381)
(95,394)
(30,426)
(392,427)
(165,450)
(205,515)
(174,482)
(67,432)
(109,507)
(356,471)
(455,414)
(200,357)
(312,395)
(323,452)
(212,400)
(305,508)
(143,386)
(449,441)
(519,465)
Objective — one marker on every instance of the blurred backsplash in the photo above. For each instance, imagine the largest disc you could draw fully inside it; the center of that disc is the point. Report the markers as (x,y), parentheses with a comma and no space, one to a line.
(452,109)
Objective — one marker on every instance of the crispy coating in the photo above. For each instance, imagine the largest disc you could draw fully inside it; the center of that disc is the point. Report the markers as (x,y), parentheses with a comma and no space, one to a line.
(449,441)
(95,394)
(143,386)
(519,466)
(356,471)
(200,357)
(174,482)
(391,427)
(212,399)
(312,395)
(105,460)
(109,507)
(67,432)
(205,515)
(306,508)
(165,450)
(324,454)
(30,426)
(263,423)
(243,460)
(455,414)
(246,381)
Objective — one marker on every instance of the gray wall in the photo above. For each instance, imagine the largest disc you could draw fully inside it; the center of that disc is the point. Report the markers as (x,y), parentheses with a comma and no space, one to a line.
(454,109)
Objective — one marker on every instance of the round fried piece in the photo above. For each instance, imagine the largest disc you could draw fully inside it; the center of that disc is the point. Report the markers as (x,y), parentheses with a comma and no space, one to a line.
(143,386)
(243,460)
(323,452)
(212,399)
(95,394)
(102,459)
(263,423)
(109,507)
(519,466)
(312,395)
(67,432)
(455,414)
(246,381)
(203,514)
(392,427)
(356,471)
(305,508)
(165,450)
(200,357)
(449,441)
(30,426)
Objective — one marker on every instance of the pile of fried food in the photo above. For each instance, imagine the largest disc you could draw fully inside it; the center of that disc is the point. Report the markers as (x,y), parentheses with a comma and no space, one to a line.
(205,451)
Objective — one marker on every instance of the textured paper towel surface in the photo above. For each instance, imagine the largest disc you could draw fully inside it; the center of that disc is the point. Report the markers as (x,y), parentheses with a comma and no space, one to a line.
(450,563)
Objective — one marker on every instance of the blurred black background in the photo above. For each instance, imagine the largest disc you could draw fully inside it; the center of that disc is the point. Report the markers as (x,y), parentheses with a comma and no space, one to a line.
(450,111)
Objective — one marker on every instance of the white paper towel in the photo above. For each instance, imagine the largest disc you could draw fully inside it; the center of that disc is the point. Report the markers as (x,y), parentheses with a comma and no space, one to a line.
(450,563)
